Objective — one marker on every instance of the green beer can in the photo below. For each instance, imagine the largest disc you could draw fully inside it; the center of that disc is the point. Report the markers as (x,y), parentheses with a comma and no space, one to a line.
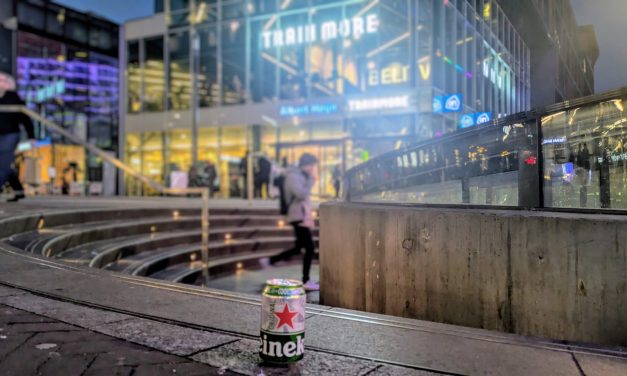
(282,321)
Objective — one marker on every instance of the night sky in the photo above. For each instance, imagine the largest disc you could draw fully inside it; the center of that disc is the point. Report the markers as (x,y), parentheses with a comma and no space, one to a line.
(607,16)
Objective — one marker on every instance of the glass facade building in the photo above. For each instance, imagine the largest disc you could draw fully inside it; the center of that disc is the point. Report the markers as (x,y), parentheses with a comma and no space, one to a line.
(344,80)
(563,54)
(67,69)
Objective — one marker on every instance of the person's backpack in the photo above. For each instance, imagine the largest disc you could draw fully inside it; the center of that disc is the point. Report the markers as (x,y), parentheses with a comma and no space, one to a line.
(279,182)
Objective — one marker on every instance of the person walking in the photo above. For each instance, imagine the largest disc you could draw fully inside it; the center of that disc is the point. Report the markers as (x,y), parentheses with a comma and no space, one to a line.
(10,134)
(297,193)
(262,177)
(337,178)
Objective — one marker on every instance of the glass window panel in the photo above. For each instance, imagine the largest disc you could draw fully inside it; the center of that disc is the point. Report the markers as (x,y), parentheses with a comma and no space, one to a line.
(76,30)
(103,99)
(30,15)
(207,78)
(293,60)
(154,82)
(134,76)
(208,144)
(179,5)
(179,79)
(264,66)
(585,156)
(233,62)
(55,20)
(179,150)
(152,155)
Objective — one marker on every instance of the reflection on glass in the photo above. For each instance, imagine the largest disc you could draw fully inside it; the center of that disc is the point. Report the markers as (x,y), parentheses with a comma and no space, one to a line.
(179,80)
(207,78)
(585,156)
(233,62)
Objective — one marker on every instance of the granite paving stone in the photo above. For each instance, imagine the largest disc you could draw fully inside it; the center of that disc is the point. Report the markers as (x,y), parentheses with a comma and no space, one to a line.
(109,371)
(40,327)
(187,369)
(8,343)
(165,337)
(134,357)
(66,365)
(596,366)
(95,346)
(242,357)
(82,316)
(387,370)
(22,318)
(46,347)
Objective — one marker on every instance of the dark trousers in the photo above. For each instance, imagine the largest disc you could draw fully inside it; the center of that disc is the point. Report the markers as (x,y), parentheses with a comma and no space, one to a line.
(304,239)
(14,182)
(259,184)
(8,143)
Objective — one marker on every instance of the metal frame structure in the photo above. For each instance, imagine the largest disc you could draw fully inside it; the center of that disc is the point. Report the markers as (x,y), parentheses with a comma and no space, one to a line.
(391,172)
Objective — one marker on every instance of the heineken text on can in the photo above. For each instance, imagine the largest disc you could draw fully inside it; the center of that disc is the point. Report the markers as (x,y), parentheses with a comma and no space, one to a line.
(282,321)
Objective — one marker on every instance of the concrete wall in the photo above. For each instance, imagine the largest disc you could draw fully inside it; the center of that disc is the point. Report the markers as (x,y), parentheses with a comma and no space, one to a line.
(553,275)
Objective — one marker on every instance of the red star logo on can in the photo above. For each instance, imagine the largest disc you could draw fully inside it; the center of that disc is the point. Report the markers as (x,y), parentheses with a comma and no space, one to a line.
(285,317)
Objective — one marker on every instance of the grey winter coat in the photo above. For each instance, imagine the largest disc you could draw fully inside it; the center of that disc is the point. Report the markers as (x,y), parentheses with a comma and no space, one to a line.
(297,188)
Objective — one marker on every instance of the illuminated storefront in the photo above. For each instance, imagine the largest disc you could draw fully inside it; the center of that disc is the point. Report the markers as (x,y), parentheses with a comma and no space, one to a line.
(345,80)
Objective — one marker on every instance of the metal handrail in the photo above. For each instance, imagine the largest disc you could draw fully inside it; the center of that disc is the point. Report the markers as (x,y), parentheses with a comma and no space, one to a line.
(204,192)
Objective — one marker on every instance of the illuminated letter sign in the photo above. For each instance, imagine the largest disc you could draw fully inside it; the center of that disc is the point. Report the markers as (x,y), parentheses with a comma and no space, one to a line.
(349,28)
(374,104)
(48,92)
(493,73)
(390,75)
(308,110)
(483,117)
(467,120)
(437,104)
(453,103)
(425,70)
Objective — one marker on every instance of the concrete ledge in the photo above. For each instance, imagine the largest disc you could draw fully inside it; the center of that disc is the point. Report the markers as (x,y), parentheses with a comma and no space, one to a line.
(554,275)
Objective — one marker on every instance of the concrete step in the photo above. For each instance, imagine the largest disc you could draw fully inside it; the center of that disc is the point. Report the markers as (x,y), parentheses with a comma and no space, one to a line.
(100,253)
(147,263)
(80,235)
(191,273)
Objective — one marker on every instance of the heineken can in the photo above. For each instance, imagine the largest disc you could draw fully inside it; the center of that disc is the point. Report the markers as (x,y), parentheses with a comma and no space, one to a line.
(282,321)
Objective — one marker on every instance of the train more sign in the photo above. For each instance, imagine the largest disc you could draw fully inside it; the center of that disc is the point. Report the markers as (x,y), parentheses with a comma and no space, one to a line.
(349,28)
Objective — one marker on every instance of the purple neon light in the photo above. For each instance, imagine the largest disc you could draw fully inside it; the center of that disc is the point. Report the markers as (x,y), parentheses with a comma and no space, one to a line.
(69,63)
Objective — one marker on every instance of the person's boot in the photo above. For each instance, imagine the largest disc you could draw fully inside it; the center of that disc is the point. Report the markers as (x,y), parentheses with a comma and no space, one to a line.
(18,196)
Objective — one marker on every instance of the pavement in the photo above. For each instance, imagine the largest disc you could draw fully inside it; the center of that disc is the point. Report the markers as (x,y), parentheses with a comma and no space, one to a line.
(128,324)
(33,344)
